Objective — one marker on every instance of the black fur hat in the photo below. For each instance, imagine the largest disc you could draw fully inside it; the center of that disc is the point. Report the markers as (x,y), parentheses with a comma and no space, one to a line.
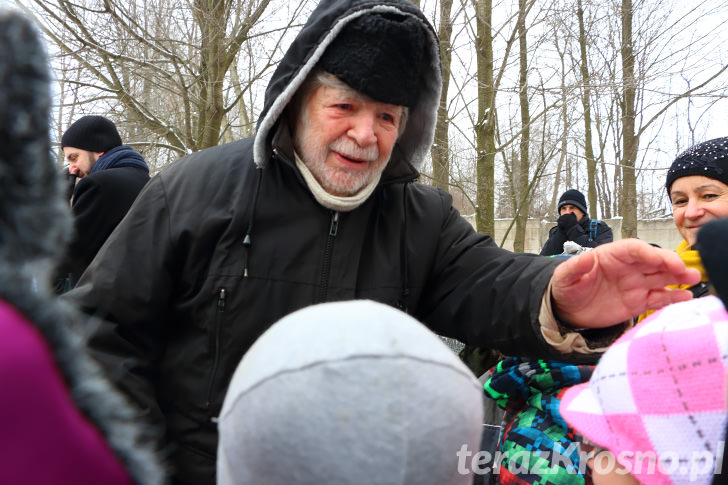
(93,133)
(709,158)
(380,55)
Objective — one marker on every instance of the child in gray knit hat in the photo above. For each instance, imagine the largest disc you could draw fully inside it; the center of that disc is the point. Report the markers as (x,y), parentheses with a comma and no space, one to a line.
(349,393)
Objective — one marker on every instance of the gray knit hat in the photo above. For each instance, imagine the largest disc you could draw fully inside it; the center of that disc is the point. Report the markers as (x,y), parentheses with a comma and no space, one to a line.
(709,159)
(93,133)
(349,393)
(575,198)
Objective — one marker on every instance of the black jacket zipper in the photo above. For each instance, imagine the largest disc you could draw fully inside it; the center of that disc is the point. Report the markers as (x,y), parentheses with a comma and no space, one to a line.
(222,294)
(326,268)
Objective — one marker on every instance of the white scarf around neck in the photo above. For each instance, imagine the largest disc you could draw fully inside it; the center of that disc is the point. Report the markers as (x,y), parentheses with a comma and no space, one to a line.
(335,202)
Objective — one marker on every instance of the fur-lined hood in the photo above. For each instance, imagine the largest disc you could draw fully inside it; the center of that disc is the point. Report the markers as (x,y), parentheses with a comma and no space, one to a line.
(35,223)
(322,27)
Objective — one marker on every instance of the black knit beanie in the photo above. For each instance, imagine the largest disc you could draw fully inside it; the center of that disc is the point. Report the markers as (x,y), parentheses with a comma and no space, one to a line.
(575,198)
(380,55)
(709,159)
(92,133)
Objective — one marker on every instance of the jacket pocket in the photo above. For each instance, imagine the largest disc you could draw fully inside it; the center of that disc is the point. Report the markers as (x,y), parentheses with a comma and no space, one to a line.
(215,345)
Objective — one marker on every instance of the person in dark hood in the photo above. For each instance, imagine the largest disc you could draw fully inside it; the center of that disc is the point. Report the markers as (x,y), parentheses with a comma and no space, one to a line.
(61,421)
(111,176)
(322,204)
(575,225)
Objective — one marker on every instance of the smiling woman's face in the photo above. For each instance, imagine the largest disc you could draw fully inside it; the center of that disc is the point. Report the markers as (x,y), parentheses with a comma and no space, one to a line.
(697,200)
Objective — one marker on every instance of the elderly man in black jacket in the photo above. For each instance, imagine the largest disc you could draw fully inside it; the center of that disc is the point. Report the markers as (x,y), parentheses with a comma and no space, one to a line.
(111,176)
(322,204)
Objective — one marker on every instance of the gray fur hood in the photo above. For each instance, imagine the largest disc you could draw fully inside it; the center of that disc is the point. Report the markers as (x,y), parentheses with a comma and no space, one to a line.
(34,226)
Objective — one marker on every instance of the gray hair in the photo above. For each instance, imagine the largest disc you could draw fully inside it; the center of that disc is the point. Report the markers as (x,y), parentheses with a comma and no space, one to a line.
(317,78)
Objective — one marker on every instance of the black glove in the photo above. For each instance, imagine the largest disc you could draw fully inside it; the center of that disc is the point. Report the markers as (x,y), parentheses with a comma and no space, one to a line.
(566,221)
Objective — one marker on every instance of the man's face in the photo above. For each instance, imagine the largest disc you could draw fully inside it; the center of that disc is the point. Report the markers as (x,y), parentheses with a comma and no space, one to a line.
(80,161)
(568,208)
(345,139)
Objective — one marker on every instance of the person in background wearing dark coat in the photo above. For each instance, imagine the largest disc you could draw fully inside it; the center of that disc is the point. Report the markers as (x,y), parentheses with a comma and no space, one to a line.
(322,204)
(111,176)
(575,225)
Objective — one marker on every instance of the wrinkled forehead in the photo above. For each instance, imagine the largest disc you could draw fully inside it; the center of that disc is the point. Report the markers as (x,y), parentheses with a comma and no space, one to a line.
(337,87)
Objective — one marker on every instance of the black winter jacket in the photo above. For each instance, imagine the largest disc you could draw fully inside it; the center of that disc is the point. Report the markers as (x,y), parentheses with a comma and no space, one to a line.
(100,202)
(580,234)
(228,240)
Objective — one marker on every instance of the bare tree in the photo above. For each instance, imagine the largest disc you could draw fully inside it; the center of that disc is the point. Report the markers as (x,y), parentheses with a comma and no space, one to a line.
(486,118)
(440,152)
(163,67)
(485,126)
(634,95)
(591,166)
(630,141)
(522,181)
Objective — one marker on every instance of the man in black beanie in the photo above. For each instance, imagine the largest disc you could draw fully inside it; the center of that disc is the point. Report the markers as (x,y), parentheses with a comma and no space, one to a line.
(575,225)
(323,204)
(111,176)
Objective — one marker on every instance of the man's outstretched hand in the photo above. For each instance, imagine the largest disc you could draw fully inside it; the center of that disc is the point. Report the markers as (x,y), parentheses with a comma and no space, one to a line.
(618,281)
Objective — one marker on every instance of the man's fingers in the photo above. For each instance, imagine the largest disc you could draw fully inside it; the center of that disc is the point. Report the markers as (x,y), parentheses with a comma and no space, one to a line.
(658,280)
(660,298)
(574,269)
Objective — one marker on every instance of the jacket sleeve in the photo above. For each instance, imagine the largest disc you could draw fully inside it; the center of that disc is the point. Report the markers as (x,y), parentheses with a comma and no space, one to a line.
(127,286)
(555,243)
(486,296)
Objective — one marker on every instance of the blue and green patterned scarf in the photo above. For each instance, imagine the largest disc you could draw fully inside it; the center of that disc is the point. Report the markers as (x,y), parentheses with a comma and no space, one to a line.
(537,446)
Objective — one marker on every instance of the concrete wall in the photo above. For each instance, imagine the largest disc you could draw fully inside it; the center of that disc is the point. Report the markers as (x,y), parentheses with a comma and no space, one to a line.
(659,231)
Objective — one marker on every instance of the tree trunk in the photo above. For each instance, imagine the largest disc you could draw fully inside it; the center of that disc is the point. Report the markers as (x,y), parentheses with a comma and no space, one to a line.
(440,151)
(564,116)
(630,141)
(485,126)
(591,164)
(521,185)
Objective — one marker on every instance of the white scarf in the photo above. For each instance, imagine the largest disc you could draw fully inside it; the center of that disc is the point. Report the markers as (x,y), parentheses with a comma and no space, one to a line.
(335,202)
